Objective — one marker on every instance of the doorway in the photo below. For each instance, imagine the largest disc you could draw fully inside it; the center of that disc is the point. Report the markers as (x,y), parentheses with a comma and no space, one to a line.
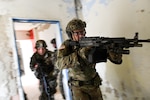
(27,31)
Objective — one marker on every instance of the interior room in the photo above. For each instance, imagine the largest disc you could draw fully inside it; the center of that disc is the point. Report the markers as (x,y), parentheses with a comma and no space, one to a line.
(27,32)
(22,22)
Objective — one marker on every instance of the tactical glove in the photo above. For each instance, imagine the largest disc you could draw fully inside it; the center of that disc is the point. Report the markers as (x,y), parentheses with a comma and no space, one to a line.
(66,49)
(115,57)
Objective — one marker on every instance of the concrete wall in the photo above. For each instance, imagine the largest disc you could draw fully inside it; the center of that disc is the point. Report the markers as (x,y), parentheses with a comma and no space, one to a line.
(61,10)
(122,18)
(129,81)
(8,83)
(22,35)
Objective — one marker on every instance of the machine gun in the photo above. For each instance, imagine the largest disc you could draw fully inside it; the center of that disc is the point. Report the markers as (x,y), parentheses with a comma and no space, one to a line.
(101,45)
(44,81)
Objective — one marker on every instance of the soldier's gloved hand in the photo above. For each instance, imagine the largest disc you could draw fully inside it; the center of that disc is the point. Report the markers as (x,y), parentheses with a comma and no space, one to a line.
(66,48)
(85,49)
(67,43)
(115,57)
(84,52)
(34,67)
(113,53)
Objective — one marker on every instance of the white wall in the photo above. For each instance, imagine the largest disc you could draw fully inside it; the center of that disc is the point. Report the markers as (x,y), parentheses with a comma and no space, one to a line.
(61,10)
(129,81)
(47,34)
(117,18)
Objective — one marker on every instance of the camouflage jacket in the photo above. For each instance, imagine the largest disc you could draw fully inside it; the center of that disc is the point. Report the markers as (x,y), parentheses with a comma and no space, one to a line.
(75,59)
(43,61)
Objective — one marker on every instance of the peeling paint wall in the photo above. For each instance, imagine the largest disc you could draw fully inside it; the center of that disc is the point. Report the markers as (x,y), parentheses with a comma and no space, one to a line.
(128,81)
(122,18)
(61,10)
(8,69)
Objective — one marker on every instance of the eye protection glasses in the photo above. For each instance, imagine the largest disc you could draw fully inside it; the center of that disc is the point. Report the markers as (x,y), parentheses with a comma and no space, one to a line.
(81,32)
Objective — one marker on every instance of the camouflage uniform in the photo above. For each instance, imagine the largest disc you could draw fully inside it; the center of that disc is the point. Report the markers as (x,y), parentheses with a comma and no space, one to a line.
(84,80)
(53,42)
(61,88)
(48,70)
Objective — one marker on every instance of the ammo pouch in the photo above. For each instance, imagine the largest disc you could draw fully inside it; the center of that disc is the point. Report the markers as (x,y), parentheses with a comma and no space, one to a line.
(96,81)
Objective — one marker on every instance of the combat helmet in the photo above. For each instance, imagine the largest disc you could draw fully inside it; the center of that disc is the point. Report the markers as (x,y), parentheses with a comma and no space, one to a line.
(40,43)
(74,24)
(53,41)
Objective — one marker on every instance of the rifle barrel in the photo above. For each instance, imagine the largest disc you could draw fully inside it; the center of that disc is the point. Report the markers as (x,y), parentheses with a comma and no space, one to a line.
(148,40)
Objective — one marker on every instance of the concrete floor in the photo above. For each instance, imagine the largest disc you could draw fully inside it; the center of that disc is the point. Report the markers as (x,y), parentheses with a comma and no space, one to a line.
(31,88)
(33,93)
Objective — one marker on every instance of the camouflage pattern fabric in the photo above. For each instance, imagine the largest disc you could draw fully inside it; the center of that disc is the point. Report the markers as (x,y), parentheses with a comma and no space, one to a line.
(75,59)
(48,68)
(84,80)
(88,93)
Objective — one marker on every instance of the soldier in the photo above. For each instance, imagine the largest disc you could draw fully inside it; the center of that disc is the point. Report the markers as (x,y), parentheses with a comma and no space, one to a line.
(53,42)
(84,80)
(41,59)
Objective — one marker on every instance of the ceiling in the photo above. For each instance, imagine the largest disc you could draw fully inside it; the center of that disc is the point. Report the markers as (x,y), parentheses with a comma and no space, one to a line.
(25,26)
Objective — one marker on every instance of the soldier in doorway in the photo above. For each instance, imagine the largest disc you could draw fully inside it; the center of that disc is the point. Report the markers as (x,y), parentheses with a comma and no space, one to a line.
(53,42)
(41,63)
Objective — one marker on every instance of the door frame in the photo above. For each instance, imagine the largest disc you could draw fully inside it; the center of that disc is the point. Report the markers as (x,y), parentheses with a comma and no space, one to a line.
(22,20)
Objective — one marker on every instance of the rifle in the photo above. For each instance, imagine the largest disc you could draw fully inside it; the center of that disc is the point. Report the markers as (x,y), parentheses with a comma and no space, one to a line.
(44,80)
(101,45)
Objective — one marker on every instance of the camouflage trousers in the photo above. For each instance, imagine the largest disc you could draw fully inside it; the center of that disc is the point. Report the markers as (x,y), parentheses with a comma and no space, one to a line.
(86,93)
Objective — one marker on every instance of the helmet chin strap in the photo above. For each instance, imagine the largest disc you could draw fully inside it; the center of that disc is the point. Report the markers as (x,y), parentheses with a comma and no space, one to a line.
(70,35)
